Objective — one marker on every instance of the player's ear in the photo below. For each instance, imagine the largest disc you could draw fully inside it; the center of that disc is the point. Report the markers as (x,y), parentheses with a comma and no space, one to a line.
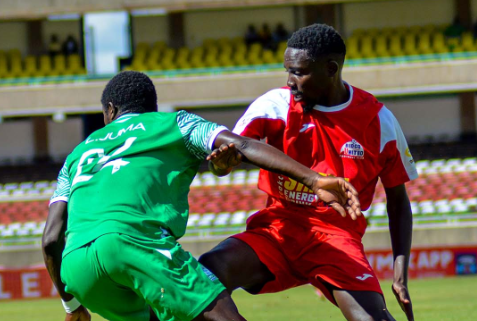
(332,68)
(112,111)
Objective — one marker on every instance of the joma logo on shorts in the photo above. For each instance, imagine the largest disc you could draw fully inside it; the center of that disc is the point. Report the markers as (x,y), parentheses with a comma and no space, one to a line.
(364,277)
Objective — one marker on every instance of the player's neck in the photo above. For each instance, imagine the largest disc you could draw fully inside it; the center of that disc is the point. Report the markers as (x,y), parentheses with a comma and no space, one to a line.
(338,94)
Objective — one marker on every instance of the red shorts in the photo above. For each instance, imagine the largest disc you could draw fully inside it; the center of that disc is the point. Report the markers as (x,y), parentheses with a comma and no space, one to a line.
(298,254)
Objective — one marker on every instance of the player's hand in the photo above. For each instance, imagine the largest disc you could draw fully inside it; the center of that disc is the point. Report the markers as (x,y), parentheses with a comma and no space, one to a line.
(80,314)
(402,295)
(339,194)
(225,157)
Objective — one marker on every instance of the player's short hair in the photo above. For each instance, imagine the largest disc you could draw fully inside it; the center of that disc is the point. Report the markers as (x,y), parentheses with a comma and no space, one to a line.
(318,40)
(130,91)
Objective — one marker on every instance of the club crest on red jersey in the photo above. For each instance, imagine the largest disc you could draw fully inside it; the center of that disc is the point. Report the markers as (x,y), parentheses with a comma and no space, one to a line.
(353,150)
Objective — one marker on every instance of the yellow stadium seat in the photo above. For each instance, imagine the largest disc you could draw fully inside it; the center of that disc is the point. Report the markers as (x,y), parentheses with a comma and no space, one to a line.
(59,65)
(395,45)
(45,65)
(352,47)
(31,67)
(373,32)
(438,43)
(424,43)
(224,41)
(3,66)
(256,48)
(74,65)
(159,45)
(183,52)
(239,59)
(382,46)
(153,60)
(167,64)
(197,61)
(468,43)
(198,51)
(268,57)
(183,64)
(225,60)
(367,47)
(410,44)
(16,67)
(211,60)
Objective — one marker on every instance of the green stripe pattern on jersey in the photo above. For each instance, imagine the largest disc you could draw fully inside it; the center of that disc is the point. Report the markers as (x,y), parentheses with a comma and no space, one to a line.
(133,176)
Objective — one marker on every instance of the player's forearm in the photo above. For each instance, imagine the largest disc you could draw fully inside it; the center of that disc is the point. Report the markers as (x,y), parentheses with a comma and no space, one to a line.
(269,158)
(53,244)
(400,227)
(52,258)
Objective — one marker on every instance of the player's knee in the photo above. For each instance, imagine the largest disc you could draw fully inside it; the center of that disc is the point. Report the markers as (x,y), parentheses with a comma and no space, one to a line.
(216,262)
(381,315)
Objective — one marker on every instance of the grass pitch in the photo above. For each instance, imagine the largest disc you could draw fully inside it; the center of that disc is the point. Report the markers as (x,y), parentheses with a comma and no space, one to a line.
(449,299)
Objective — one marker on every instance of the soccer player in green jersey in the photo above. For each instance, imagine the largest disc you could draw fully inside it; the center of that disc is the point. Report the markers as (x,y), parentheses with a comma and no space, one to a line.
(110,242)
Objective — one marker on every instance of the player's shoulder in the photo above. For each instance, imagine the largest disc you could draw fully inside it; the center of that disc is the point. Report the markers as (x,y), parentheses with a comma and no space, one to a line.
(277,95)
(274,104)
(386,117)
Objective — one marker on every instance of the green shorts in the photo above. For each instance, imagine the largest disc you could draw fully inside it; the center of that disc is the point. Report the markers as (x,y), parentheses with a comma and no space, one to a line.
(120,276)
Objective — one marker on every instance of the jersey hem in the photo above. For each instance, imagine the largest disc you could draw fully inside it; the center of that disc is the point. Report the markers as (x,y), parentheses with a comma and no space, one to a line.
(212,136)
(59,199)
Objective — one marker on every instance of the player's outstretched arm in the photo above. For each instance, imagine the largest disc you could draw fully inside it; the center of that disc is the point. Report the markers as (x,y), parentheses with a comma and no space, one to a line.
(335,191)
(400,227)
(53,244)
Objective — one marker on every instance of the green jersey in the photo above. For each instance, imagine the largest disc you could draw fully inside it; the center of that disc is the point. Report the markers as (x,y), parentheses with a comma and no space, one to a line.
(133,176)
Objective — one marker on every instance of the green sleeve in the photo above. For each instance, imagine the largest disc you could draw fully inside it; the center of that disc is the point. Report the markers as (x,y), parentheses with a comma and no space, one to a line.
(62,192)
(199,134)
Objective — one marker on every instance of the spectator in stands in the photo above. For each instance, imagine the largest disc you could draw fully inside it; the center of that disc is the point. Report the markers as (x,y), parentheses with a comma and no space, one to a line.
(474,29)
(280,34)
(265,36)
(251,36)
(456,29)
(70,46)
(54,48)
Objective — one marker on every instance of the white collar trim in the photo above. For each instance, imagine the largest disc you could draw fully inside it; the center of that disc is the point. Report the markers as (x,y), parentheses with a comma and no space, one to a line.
(337,107)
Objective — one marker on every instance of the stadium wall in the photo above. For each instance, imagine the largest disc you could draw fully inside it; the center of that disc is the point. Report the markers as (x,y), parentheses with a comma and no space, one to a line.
(200,25)
(13,35)
(385,14)
(63,137)
(411,112)
(373,241)
(16,139)
(150,29)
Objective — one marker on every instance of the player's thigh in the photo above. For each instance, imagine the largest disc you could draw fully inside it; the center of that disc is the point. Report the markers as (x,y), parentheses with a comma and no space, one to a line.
(171,281)
(85,278)
(362,305)
(236,264)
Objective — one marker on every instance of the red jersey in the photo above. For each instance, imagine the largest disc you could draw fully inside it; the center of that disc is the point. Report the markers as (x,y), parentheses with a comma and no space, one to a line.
(359,140)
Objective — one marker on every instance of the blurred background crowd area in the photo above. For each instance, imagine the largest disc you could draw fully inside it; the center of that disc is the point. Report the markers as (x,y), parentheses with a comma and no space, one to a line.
(214,58)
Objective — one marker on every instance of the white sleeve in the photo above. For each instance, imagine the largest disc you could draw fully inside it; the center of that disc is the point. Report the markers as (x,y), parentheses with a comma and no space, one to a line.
(391,131)
(272,105)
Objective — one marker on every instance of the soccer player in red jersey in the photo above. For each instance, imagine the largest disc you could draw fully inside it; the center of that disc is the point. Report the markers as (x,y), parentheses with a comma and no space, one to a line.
(338,130)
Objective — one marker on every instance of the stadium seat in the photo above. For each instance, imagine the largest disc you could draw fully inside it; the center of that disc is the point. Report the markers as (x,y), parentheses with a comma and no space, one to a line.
(45,66)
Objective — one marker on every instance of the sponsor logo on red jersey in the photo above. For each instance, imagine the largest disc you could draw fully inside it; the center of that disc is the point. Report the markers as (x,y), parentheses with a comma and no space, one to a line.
(353,150)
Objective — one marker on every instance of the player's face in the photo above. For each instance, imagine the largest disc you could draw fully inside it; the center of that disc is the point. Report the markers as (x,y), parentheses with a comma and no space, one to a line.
(309,80)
